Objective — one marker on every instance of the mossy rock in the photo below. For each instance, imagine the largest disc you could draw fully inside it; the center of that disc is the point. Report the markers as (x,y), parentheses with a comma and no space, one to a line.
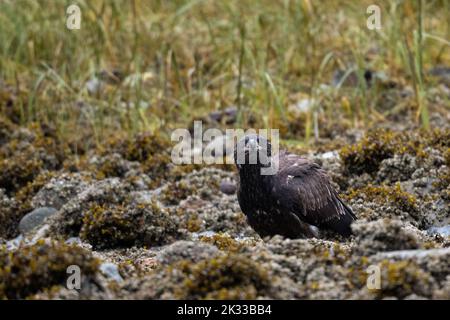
(176,191)
(30,269)
(152,150)
(111,226)
(383,194)
(439,138)
(17,172)
(384,235)
(6,130)
(378,145)
(403,278)
(124,225)
(367,154)
(26,154)
(8,216)
(223,242)
(224,277)
(11,215)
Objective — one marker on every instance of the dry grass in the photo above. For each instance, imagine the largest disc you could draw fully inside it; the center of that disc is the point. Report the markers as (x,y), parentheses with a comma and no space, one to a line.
(168,62)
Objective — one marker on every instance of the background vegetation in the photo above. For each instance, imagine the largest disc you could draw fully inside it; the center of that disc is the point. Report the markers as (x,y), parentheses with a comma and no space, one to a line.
(144,65)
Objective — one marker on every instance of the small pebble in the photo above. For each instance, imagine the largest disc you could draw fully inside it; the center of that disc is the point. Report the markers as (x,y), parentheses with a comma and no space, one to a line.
(442,231)
(227,187)
(111,271)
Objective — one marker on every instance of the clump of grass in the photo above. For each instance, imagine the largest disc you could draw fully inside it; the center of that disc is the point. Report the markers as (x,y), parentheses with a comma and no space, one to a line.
(174,61)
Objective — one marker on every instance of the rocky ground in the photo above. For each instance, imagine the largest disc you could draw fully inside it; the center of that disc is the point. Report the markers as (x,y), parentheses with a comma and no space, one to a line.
(140,228)
(87,181)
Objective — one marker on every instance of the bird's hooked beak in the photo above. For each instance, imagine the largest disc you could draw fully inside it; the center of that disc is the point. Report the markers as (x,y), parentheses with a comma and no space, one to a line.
(252,145)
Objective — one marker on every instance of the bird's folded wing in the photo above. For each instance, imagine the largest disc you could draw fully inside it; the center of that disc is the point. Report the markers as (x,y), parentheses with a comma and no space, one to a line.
(306,189)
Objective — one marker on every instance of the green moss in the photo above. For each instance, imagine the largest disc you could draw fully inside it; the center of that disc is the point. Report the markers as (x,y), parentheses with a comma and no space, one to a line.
(160,227)
(447,156)
(194,223)
(439,138)
(6,129)
(29,269)
(402,278)
(124,225)
(377,145)
(25,194)
(367,154)
(225,277)
(152,150)
(110,226)
(18,171)
(395,196)
(398,278)
(176,192)
(10,215)
(109,168)
(23,157)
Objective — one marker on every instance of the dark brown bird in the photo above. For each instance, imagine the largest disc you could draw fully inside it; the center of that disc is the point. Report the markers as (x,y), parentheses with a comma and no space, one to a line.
(298,196)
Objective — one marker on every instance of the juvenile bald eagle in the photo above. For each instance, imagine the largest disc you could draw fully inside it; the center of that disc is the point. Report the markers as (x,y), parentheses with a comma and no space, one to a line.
(298,196)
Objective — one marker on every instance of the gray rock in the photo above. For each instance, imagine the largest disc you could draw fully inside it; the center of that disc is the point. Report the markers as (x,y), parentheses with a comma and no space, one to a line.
(384,235)
(215,116)
(413,254)
(442,231)
(111,271)
(59,190)
(74,240)
(182,250)
(14,243)
(35,218)
(227,187)
(231,114)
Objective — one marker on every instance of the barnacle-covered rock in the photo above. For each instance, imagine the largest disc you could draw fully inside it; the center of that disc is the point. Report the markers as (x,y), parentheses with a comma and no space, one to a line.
(69,219)
(152,150)
(367,154)
(8,216)
(122,225)
(187,251)
(60,189)
(30,269)
(6,129)
(406,273)
(384,235)
(26,154)
(230,276)
(398,168)
(374,202)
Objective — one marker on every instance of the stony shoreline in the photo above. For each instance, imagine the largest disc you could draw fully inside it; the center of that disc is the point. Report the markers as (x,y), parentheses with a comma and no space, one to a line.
(185,237)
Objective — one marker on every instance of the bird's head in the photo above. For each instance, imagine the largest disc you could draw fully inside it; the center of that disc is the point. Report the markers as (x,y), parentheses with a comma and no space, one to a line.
(252,149)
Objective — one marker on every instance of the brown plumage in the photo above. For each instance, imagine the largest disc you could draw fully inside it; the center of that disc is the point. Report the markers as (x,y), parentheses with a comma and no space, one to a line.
(298,196)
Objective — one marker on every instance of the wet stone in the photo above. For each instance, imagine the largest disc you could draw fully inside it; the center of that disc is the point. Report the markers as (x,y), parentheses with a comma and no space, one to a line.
(227,187)
(35,218)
